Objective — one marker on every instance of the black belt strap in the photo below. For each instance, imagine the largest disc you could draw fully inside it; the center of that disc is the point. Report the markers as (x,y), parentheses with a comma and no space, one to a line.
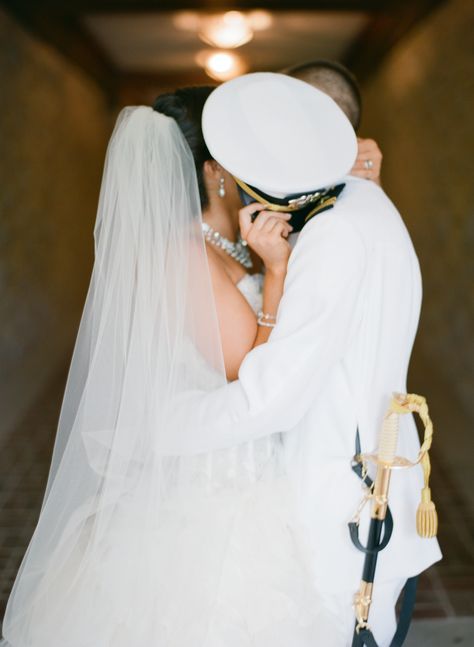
(366,637)
(387,533)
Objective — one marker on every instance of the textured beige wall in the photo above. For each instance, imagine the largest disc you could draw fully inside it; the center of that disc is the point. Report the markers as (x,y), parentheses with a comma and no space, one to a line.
(54,123)
(420,106)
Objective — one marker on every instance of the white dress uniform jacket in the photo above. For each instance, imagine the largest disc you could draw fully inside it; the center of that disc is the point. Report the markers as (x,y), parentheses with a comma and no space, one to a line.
(341,346)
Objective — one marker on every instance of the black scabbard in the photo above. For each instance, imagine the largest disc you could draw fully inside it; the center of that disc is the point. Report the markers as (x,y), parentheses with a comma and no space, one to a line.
(373,548)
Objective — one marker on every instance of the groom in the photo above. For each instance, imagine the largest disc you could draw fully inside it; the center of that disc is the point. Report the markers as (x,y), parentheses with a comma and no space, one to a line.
(341,85)
(340,347)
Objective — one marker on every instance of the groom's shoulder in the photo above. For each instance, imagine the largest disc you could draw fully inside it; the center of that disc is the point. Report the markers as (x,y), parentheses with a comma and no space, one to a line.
(364,195)
(362,214)
(333,229)
(357,198)
(367,207)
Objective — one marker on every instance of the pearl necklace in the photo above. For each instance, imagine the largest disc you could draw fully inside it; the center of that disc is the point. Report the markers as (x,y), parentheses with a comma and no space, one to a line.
(238,250)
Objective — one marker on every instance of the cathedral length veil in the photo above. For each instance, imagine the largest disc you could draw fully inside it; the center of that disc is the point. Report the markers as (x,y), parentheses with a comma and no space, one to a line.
(121,546)
(141,540)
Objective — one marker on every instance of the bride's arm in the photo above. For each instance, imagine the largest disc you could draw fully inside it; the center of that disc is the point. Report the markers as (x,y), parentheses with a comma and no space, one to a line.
(236,319)
(279,380)
(238,326)
(273,283)
(267,237)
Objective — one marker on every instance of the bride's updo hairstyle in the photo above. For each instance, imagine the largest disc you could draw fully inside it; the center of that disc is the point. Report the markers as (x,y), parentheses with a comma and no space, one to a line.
(185,106)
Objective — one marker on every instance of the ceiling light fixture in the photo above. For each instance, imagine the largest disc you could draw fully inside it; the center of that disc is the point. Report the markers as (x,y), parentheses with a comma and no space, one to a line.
(224,30)
(221,66)
(228,30)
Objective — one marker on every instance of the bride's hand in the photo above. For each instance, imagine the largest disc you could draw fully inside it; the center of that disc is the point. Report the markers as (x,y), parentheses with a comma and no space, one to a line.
(369,160)
(267,235)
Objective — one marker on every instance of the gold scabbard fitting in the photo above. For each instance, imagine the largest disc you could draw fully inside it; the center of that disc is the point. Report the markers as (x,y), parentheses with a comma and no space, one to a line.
(380,498)
(362,602)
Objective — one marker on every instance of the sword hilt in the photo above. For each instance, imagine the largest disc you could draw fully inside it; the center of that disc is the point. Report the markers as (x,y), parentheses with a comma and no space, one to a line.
(388,438)
(387,451)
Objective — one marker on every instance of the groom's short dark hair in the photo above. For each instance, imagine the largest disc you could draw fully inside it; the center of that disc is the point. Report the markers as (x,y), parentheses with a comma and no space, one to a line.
(335,80)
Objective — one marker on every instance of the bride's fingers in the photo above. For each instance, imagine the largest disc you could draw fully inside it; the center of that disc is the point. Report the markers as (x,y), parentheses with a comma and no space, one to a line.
(274,220)
(265,217)
(368,147)
(369,160)
(245,217)
(277,224)
(271,233)
(280,229)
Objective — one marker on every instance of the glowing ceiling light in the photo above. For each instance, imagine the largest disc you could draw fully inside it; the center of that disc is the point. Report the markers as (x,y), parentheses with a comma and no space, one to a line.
(228,30)
(221,66)
(221,62)
(225,30)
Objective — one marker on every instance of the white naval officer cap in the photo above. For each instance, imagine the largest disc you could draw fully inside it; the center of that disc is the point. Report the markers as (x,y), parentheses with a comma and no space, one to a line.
(278,136)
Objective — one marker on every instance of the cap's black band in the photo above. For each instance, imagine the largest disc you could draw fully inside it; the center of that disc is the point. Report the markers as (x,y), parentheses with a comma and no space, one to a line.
(303,207)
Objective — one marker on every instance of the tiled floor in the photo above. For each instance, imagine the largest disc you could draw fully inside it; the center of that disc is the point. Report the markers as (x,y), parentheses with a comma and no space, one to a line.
(442,633)
(446,591)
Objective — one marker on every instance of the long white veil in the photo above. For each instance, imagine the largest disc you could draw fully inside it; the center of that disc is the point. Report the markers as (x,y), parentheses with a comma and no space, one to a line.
(115,522)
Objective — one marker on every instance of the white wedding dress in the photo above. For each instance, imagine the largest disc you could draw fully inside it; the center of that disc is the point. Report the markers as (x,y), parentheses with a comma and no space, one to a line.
(266,598)
(251,286)
(145,591)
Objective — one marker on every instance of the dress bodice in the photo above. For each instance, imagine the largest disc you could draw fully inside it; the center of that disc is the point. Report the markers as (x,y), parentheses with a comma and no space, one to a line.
(251,287)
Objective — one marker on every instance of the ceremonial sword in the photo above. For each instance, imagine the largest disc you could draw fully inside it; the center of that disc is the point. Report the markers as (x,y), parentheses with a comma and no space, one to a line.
(381,523)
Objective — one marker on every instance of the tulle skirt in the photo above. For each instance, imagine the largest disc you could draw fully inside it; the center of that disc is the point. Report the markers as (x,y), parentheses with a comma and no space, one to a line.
(223,568)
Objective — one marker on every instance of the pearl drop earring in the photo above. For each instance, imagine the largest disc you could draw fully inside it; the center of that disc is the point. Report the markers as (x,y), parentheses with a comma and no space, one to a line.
(221,189)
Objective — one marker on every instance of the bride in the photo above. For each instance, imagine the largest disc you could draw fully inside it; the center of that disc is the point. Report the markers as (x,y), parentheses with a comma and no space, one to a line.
(135,547)
(240,292)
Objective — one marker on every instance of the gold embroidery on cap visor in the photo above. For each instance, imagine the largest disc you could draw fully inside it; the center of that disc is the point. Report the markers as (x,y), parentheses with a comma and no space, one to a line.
(294,205)
(329,202)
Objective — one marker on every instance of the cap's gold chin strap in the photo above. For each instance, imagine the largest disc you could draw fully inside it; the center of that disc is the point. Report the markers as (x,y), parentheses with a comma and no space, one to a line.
(322,201)
(258,198)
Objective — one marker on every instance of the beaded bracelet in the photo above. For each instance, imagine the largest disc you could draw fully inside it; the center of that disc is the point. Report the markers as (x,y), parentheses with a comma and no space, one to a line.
(266,320)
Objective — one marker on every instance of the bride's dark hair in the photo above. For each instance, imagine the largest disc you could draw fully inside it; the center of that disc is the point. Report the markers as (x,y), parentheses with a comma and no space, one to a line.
(185,106)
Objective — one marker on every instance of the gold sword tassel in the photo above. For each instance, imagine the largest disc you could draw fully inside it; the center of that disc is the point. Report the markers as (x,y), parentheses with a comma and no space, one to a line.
(426,515)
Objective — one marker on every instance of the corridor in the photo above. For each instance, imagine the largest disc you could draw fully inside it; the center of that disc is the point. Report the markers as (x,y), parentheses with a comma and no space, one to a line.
(67,70)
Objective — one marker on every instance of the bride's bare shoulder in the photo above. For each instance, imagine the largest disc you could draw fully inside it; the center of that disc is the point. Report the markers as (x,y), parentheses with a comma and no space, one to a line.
(222,270)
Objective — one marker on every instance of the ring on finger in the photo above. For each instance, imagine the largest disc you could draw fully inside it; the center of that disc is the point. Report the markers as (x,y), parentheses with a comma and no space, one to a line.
(369,164)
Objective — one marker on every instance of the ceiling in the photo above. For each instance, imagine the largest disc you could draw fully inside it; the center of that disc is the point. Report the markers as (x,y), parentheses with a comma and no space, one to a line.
(133,47)
(152,43)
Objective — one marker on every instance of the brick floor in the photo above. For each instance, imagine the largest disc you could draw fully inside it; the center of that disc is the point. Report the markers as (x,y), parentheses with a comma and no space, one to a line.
(445,591)
(24,464)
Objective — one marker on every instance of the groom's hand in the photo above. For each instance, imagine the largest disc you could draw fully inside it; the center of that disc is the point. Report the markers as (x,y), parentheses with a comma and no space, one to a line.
(369,160)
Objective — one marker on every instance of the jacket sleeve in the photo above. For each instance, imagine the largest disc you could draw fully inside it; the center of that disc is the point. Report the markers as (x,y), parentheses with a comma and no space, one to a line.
(279,380)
